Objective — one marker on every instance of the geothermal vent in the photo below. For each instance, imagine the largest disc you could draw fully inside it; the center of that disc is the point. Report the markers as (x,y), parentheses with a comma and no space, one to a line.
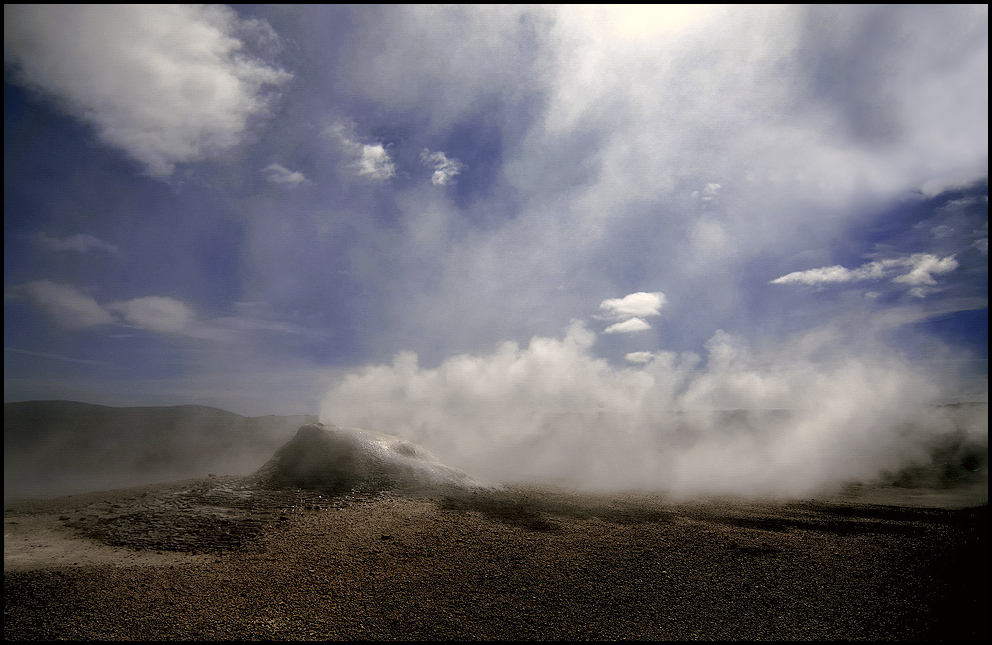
(340,460)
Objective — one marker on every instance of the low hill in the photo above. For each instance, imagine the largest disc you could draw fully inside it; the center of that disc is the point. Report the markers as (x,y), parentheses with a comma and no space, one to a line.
(63,447)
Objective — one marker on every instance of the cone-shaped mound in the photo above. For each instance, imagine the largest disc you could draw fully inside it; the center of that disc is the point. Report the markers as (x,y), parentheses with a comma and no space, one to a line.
(340,460)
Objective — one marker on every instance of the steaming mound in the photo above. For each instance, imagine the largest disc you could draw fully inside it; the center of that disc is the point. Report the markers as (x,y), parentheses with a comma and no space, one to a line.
(340,460)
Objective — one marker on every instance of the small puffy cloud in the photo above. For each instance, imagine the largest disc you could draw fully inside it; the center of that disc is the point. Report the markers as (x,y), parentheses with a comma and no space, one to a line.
(282,176)
(921,292)
(627,326)
(164,83)
(982,244)
(922,267)
(374,162)
(639,357)
(69,307)
(634,304)
(445,169)
(708,194)
(370,160)
(157,313)
(81,242)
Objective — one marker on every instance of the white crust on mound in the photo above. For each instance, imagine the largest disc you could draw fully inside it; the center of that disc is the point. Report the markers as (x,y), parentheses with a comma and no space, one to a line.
(337,459)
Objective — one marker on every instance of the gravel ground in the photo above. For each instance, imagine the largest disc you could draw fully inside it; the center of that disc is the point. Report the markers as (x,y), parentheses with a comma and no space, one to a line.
(214,560)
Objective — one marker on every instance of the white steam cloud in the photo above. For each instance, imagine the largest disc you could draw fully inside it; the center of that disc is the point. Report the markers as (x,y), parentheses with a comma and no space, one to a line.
(737,424)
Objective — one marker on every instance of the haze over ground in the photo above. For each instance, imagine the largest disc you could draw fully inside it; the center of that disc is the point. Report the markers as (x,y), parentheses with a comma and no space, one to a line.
(527,238)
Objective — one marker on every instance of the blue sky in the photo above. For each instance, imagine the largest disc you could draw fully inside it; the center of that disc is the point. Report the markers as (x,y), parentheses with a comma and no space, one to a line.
(260,207)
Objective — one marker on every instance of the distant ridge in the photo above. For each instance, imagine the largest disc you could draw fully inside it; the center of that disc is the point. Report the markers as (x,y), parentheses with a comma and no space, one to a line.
(63,447)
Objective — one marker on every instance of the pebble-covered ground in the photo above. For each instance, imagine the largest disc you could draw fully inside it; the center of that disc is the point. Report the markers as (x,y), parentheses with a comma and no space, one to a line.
(211,559)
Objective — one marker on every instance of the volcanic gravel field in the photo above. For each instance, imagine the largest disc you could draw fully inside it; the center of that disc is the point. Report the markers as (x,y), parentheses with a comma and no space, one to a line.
(218,559)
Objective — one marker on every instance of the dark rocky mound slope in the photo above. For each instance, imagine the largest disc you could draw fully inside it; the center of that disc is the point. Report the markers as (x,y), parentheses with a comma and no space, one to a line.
(339,460)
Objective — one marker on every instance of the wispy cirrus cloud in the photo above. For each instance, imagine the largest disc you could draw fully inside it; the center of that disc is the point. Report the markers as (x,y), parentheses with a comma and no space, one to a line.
(922,268)
(54,357)
(81,242)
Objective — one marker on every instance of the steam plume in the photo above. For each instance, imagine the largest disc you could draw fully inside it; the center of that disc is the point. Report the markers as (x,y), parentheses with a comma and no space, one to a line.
(737,422)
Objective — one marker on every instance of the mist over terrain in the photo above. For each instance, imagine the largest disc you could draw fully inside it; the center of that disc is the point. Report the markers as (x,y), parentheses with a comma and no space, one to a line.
(61,447)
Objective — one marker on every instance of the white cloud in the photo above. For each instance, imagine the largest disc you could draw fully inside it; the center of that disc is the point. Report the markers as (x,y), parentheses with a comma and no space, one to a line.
(81,242)
(157,313)
(370,160)
(445,169)
(832,275)
(165,83)
(708,194)
(627,326)
(282,176)
(941,231)
(635,304)
(922,267)
(739,111)
(375,163)
(69,307)
(640,357)
(72,309)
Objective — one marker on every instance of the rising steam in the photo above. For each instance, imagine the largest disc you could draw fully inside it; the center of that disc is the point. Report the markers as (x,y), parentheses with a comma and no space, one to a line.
(734,423)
